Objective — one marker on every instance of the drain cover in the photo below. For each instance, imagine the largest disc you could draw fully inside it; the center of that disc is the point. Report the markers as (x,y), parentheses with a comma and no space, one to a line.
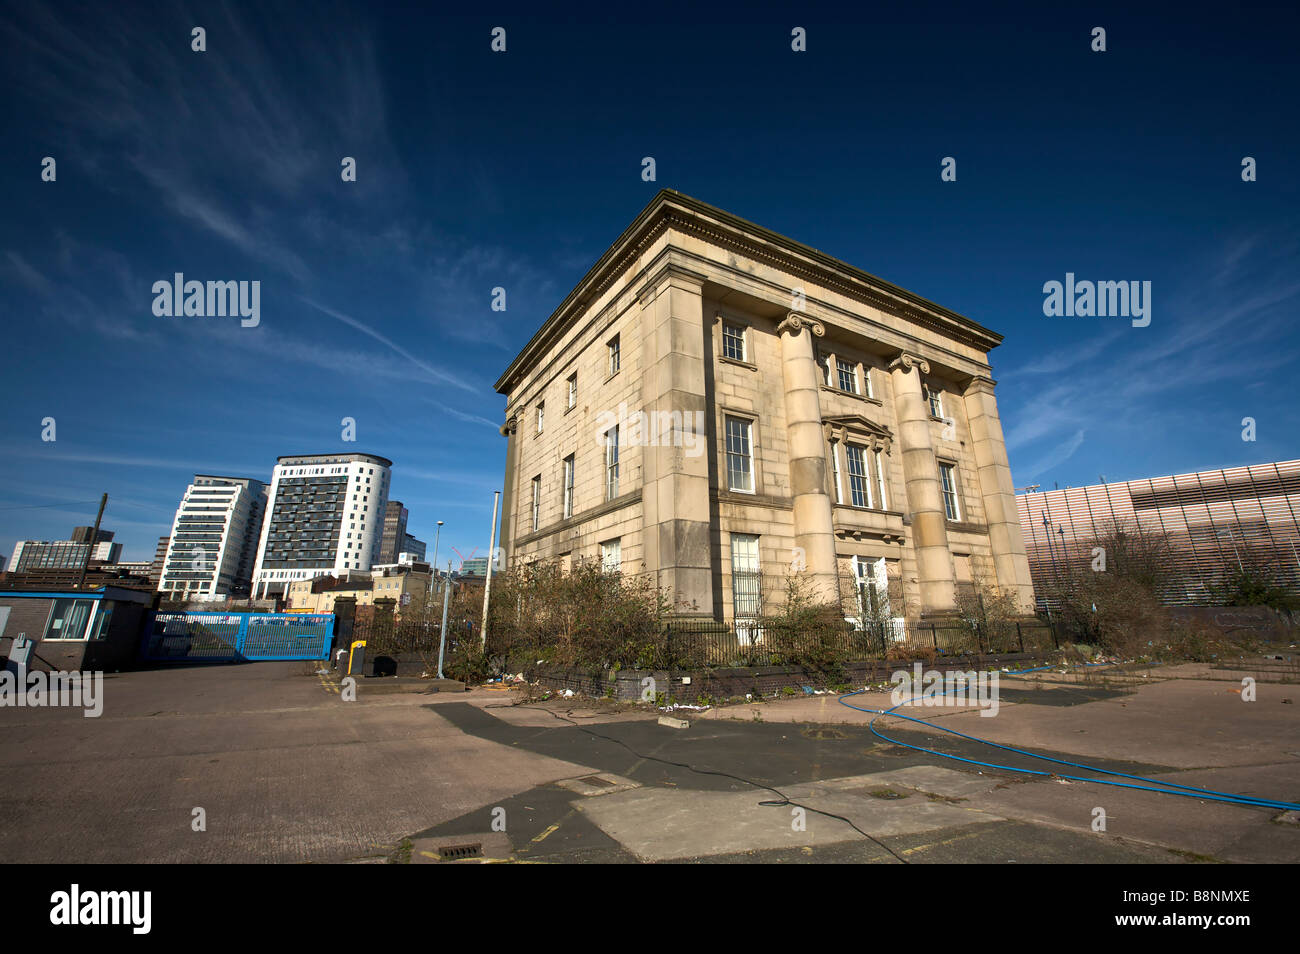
(598,781)
(456,852)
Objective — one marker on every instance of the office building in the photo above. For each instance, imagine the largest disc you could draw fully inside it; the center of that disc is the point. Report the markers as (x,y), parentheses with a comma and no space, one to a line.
(1202,525)
(159,560)
(64,554)
(475,566)
(413,548)
(395,517)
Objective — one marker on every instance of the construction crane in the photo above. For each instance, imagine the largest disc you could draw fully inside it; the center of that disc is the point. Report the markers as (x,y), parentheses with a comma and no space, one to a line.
(1027,489)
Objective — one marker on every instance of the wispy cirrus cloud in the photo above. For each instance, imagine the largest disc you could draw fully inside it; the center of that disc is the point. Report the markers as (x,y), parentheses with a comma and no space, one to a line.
(435,373)
(1056,456)
(1210,333)
(197,462)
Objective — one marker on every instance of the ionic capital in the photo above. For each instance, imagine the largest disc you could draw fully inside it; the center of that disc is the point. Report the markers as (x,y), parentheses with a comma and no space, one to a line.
(909,361)
(795,322)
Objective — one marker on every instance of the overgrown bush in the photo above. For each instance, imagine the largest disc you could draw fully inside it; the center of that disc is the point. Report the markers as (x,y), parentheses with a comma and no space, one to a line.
(1116,613)
(585,618)
(1255,584)
(465,660)
(987,619)
(807,631)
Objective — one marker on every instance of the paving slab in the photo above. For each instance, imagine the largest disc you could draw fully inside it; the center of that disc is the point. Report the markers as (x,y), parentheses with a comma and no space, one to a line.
(1179,723)
(658,824)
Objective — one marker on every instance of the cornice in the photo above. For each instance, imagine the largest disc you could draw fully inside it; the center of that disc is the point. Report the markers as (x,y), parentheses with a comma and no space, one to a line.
(666,271)
(984,385)
(673,211)
(849,531)
(579,519)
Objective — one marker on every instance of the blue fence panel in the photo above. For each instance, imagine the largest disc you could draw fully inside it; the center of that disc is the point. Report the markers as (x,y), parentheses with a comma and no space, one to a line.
(198,637)
(288,636)
(235,637)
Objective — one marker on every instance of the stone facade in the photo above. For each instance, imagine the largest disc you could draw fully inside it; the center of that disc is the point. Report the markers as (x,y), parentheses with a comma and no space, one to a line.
(778,411)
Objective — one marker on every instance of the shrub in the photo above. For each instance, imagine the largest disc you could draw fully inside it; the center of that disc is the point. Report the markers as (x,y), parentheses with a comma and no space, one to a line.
(584,618)
(987,619)
(807,632)
(1255,585)
(1117,613)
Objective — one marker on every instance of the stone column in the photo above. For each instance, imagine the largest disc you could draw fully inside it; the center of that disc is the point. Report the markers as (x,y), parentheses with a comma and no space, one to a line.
(1006,538)
(814,531)
(675,469)
(934,568)
(509,430)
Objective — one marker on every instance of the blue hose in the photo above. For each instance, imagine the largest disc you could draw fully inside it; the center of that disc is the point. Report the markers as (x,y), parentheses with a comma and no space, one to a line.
(1171,788)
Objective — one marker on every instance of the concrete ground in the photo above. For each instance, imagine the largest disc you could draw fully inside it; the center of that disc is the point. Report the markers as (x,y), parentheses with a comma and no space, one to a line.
(287,771)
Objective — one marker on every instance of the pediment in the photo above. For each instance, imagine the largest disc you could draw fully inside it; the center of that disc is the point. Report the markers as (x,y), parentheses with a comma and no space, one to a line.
(859,429)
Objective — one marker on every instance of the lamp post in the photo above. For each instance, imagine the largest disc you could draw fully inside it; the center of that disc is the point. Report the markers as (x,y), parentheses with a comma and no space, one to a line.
(1233,541)
(487,586)
(1047,528)
(436,535)
(442,633)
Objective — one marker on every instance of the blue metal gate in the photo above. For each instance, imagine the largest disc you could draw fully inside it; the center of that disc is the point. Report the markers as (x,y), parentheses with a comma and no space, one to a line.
(237,637)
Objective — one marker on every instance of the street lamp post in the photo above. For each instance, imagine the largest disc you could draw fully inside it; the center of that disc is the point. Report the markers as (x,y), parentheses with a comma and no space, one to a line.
(442,634)
(492,551)
(1233,540)
(435,551)
(1047,527)
(1056,573)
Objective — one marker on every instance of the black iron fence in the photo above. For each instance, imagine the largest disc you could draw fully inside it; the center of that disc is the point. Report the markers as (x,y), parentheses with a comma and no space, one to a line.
(693,643)
(976,636)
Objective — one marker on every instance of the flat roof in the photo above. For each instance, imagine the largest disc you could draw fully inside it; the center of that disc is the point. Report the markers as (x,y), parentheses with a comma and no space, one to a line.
(98,593)
(345,455)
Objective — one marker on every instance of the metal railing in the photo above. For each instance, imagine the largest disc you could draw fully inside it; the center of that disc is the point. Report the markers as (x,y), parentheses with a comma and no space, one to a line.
(694,644)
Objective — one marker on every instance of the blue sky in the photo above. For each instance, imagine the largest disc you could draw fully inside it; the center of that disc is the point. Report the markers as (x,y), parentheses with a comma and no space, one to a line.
(478,169)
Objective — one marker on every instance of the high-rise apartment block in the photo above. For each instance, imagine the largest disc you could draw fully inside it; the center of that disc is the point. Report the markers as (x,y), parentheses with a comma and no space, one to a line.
(325,515)
(214,539)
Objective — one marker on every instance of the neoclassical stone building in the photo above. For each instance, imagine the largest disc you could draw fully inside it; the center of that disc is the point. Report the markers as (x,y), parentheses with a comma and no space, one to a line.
(718,405)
